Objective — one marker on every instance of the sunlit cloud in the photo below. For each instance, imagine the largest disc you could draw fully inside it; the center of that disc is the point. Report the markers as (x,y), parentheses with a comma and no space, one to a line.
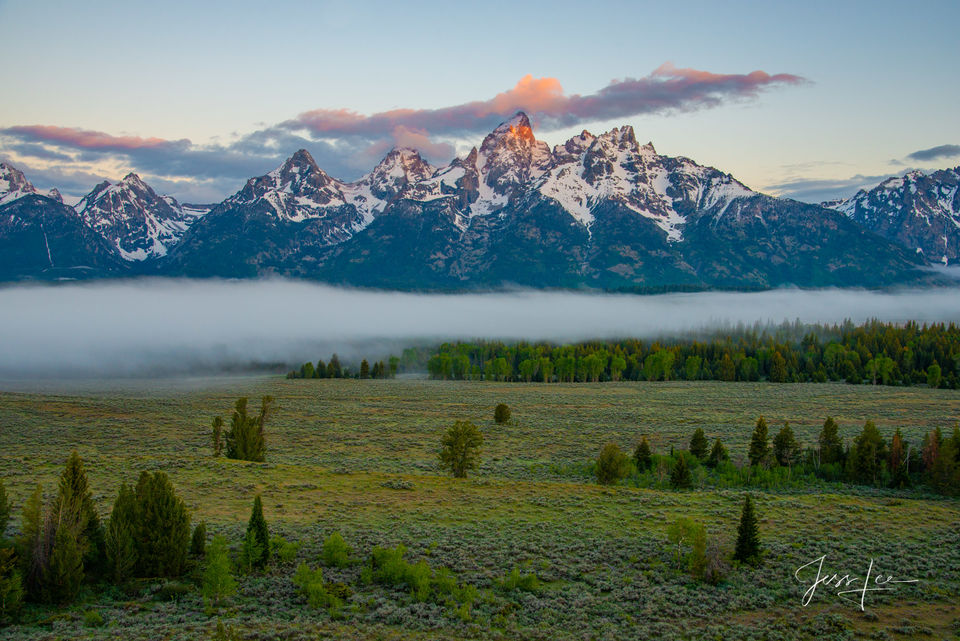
(347,144)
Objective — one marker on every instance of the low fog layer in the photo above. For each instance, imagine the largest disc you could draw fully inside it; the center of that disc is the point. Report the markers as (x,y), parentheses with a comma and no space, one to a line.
(151,327)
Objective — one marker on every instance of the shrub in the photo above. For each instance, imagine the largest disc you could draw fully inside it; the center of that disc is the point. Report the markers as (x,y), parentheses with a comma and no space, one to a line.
(225,633)
(173,591)
(310,584)
(218,581)
(93,619)
(336,552)
(460,448)
(282,550)
(501,413)
(198,542)
(612,465)
(516,580)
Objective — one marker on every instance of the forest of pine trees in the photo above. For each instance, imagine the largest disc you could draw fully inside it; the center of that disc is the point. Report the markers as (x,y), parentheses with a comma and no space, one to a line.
(872,353)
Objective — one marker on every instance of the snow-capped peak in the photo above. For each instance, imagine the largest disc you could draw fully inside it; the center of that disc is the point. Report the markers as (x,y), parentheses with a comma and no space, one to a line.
(134,219)
(13,184)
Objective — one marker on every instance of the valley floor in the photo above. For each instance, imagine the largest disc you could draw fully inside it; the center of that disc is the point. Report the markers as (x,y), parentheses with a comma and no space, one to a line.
(360,457)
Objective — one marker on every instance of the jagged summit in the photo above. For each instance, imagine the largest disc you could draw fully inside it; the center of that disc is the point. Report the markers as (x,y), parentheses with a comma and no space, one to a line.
(918,210)
(13,184)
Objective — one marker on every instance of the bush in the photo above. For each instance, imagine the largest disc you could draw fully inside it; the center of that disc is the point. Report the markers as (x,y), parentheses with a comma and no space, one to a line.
(501,414)
(612,465)
(282,550)
(516,580)
(310,584)
(336,552)
(173,591)
(93,619)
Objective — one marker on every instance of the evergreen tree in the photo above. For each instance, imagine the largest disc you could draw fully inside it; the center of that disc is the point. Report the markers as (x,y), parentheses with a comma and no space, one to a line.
(501,413)
(945,473)
(786,451)
(257,527)
(717,455)
(748,536)
(778,368)
(34,542)
(831,447)
(218,581)
(931,448)
(612,464)
(320,371)
(333,367)
(364,369)
(163,532)
(642,458)
(897,462)
(63,573)
(11,586)
(4,510)
(698,444)
(867,454)
(680,474)
(246,440)
(121,535)
(75,487)
(934,375)
(460,448)
(198,542)
(217,436)
(759,445)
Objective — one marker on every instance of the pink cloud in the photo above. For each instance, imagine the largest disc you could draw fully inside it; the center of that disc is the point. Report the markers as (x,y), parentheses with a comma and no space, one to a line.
(86,139)
(667,88)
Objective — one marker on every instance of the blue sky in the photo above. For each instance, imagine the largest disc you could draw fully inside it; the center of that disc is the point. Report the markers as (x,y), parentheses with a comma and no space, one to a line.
(198,96)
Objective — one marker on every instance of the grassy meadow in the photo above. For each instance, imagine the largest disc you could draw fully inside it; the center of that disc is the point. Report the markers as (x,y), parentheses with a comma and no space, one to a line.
(360,457)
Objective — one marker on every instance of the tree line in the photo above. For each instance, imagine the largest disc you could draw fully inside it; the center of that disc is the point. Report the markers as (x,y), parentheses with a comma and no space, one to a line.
(334,369)
(872,353)
(868,460)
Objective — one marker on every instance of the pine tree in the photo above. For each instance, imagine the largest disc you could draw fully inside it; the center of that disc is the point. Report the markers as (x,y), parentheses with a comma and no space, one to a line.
(759,445)
(868,452)
(364,369)
(74,484)
(198,542)
(680,474)
(945,473)
(333,368)
(778,368)
(642,458)
(163,532)
(11,586)
(748,537)
(217,435)
(120,539)
(321,369)
(897,462)
(218,581)
(698,444)
(34,542)
(831,447)
(786,451)
(717,455)
(63,573)
(246,440)
(4,510)
(257,527)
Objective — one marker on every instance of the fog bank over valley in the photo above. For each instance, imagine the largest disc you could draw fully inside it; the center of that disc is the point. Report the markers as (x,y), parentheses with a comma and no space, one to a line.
(176,327)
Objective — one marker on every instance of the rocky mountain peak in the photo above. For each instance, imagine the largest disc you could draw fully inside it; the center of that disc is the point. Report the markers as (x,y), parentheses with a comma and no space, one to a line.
(13,184)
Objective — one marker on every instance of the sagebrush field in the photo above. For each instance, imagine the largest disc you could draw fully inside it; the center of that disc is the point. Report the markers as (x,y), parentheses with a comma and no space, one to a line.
(360,457)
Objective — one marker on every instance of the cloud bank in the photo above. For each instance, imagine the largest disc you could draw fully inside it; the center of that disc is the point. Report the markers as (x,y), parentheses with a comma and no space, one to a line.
(936,153)
(347,144)
(152,327)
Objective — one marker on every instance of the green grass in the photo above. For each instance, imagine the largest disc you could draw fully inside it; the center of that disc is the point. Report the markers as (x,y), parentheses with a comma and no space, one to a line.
(360,457)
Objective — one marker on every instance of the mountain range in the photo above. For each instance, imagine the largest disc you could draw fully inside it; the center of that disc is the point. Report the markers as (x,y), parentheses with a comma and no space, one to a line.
(600,212)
